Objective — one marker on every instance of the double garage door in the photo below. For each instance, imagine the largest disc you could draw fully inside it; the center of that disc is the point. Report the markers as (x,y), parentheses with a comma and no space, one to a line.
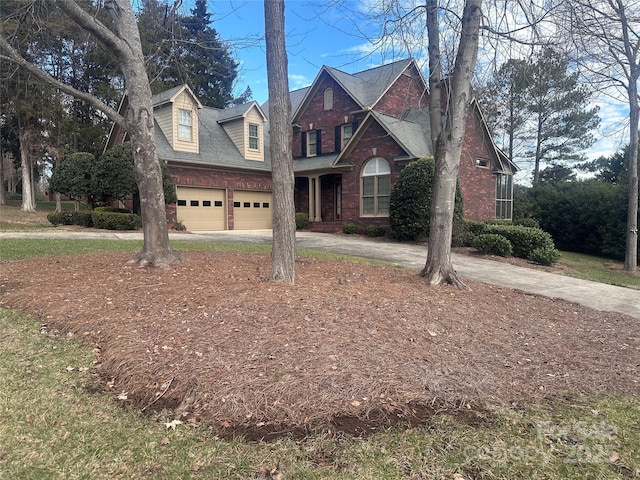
(205,209)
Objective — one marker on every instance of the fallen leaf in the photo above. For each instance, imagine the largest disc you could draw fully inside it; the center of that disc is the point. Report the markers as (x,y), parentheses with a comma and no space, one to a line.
(165,441)
(355,403)
(432,333)
(173,424)
(122,396)
(614,456)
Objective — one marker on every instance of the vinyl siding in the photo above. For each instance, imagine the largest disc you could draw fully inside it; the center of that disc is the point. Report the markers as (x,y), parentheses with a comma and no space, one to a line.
(183,101)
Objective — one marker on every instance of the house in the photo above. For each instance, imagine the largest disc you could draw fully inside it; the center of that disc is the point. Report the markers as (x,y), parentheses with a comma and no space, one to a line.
(352,135)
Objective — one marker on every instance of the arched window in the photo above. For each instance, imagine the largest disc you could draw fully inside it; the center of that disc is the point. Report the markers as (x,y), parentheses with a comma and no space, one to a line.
(328,99)
(375,188)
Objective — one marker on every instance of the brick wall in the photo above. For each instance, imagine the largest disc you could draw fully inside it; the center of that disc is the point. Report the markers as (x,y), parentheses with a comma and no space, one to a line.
(325,120)
(407,92)
(477,183)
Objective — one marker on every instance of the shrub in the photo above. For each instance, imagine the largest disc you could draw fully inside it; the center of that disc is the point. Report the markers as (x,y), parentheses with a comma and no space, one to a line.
(112,209)
(376,231)
(179,227)
(476,228)
(116,221)
(462,234)
(83,219)
(302,221)
(60,218)
(492,244)
(524,240)
(350,229)
(410,201)
(544,256)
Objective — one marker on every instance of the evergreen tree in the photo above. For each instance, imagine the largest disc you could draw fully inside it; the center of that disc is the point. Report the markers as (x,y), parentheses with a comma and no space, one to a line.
(183,49)
(539,111)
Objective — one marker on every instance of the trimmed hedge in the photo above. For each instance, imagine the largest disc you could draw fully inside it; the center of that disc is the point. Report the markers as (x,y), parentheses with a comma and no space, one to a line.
(302,221)
(493,244)
(524,240)
(116,221)
(350,229)
(375,231)
(83,219)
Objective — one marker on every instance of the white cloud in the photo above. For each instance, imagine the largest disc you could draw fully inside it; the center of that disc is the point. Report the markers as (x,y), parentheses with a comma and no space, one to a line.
(298,81)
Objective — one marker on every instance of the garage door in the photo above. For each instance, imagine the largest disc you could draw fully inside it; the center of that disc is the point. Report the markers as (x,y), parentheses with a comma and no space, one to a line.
(202,209)
(251,210)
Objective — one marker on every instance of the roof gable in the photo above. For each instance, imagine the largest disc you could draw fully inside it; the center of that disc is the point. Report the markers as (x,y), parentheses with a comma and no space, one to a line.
(365,88)
(169,96)
(240,111)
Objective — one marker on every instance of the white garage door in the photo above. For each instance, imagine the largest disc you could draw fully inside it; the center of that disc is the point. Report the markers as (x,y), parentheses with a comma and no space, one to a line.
(202,209)
(251,210)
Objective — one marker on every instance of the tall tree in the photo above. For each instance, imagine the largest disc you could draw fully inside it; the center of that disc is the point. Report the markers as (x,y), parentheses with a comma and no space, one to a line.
(561,122)
(123,40)
(449,136)
(183,49)
(283,254)
(504,105)
(607,39)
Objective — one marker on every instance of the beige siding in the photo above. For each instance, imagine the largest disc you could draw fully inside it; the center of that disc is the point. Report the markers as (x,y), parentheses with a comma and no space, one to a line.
(184,101)
(235,130)
(163,116)
(255,118)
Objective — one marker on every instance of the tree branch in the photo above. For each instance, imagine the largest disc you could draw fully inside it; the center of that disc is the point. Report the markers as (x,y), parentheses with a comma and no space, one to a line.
(13,56)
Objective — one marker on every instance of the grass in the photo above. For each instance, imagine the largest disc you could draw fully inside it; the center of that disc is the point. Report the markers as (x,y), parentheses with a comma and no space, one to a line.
(598,269)
(51,427)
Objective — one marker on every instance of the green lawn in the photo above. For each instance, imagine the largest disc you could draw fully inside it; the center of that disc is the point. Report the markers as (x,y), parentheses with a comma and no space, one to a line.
(598,269)
(52,427)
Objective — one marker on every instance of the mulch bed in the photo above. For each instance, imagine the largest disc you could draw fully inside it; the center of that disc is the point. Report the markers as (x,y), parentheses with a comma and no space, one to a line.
(350,347)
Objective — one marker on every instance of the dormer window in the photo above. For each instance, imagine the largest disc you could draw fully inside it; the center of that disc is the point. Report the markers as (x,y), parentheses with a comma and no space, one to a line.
(328,99)
(254,136)
(185,128)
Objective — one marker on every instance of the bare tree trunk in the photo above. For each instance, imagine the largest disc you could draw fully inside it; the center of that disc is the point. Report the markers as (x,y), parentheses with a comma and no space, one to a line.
(283,255)
(138,122)
(28,202)
(438,268)
(3,198)
(631,251)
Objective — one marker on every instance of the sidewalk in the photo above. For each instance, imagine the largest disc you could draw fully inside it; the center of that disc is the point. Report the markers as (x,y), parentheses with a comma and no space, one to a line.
(591,294)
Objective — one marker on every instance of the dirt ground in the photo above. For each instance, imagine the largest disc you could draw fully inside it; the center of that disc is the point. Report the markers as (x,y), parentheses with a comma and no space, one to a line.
(350,347)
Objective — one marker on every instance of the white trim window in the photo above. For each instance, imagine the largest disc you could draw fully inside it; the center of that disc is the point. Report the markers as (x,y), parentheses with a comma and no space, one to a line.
(254,137)
(312,143)
(185,127)
(346,133)
(375,188)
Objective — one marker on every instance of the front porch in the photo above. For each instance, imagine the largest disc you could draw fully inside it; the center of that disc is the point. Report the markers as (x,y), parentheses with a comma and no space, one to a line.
(320,197)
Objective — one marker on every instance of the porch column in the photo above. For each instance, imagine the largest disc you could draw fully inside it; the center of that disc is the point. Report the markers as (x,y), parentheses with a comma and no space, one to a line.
(311,199)
(318,215)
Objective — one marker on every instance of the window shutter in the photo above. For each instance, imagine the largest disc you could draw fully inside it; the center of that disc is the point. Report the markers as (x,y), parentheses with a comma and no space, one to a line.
(303,143)
(354,127)
(319,142)
(338,140)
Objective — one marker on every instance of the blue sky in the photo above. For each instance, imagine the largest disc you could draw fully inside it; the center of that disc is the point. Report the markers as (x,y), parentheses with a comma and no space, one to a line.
(323,32)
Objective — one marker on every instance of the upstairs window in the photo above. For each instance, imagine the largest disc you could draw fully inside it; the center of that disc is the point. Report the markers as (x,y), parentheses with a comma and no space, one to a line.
(483,163)
(254,136)
(347,131)
(375,188)
(185,129)
(328,99)
(311,143)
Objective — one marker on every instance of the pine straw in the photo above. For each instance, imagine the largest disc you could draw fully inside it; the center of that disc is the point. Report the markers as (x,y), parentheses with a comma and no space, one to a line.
(216,342)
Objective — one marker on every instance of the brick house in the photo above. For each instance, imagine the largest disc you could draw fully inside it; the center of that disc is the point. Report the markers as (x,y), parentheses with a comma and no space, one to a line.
(352,135)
